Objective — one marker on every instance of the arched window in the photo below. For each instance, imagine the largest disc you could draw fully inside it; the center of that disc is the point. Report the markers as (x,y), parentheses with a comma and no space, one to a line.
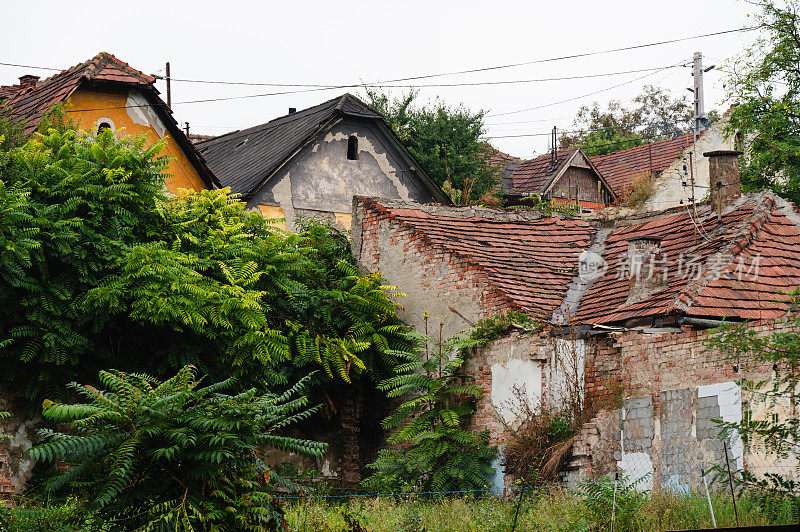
(104,123)
(352,148)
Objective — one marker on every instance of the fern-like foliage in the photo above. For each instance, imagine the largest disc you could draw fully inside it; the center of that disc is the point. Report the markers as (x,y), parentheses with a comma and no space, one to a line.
(102,268)
(174,454)
(433,450)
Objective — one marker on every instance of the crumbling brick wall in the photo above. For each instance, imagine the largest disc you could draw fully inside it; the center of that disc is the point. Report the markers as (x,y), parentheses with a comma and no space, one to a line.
(669,388)
(433,279)
(17,435)
(517,360)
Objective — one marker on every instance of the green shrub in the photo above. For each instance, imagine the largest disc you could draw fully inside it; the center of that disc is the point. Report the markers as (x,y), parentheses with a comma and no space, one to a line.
(433,450)
(154,454)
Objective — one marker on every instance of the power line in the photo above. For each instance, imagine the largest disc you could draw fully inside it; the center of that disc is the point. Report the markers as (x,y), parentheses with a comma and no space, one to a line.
(584,95)
(673,122)
(31,66)
(388,84)
(457,72)
(525,63)
(331,87)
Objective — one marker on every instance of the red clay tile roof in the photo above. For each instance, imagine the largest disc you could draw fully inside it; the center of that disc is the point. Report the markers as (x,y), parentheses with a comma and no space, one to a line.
(30,104)
(711,273)
(533,176)
(725,284)
(532,262)
(197,137)
(621,168)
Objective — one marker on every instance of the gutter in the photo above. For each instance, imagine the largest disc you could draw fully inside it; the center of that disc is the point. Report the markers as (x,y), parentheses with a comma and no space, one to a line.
(702,322)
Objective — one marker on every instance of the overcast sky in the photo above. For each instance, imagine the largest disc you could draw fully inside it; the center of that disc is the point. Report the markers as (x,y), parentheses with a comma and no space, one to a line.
(345,42)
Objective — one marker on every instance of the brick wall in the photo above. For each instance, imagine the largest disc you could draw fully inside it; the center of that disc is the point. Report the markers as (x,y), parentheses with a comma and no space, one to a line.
(433,280)
(668,389)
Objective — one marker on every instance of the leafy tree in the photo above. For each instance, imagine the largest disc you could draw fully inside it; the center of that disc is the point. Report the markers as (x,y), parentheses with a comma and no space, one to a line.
(154,455)
(447,143)
(72,204)
(779,434)
(103,269)
(765,83)
(654,116)
(433,450)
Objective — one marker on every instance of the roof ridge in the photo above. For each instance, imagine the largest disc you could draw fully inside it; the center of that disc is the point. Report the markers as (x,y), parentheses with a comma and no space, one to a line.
(640,146)
(749,229)
(284,119)
(374,205)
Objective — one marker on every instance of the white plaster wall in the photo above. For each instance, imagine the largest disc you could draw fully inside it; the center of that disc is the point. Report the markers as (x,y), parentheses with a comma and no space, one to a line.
(669,185)
(565,371)
(524,375)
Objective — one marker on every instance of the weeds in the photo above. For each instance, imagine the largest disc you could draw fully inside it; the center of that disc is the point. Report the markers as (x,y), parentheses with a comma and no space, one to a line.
(554,510)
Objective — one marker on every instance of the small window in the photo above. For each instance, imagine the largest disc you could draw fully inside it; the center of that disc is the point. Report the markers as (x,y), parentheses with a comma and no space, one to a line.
(104,123)
(352,148)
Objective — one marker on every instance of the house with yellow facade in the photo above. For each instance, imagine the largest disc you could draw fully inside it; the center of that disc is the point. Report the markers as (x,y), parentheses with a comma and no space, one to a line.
(107,93)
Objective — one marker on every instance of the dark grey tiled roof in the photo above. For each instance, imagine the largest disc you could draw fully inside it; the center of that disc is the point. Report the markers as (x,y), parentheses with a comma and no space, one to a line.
(243,160)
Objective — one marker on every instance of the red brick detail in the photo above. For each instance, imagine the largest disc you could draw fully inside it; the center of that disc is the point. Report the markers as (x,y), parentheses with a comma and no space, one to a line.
(510,264)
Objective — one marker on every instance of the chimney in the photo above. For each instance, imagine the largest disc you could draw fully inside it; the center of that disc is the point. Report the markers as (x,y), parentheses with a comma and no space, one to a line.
(28,80)
(647,268)
(292,110)
(723,178)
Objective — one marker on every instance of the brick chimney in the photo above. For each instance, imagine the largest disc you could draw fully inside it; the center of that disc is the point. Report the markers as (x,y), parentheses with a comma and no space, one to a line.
(723,176)
(646,267)
(28,80)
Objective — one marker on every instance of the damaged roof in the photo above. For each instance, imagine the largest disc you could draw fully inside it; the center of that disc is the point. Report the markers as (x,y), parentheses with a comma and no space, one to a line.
(245,160)
(733,268)
(621,168)
(528,258)
(31,103)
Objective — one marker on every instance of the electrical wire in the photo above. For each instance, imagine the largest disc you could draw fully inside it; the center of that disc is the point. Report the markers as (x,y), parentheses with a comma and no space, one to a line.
(585,95)
(248,96)
(442,74)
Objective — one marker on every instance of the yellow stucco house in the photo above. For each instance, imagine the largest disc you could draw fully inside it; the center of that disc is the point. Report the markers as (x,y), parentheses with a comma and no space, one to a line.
(105,92)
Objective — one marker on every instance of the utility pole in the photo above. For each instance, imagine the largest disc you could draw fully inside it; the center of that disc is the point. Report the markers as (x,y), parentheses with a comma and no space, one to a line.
(169,88)
(187,128)
(700,118)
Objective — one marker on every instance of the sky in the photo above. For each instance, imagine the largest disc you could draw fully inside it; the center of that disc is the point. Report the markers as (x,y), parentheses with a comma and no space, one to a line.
(351,42)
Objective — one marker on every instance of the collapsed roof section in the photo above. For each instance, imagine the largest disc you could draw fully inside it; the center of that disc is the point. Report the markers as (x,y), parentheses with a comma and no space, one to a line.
(699,265)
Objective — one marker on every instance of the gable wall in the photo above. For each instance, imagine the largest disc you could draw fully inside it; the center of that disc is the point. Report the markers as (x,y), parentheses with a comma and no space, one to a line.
(433,279)
(320,181)
(582,178)
(669,184)
(94,105)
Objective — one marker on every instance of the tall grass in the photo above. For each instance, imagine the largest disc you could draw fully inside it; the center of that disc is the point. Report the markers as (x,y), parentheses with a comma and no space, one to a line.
(554,510)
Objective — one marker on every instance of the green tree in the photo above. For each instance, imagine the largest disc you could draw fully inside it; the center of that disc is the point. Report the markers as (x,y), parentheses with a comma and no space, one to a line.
(103,269)
(655,115)
(765,85)
(779,434)
(156,455)
(433,450)
(447,143)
